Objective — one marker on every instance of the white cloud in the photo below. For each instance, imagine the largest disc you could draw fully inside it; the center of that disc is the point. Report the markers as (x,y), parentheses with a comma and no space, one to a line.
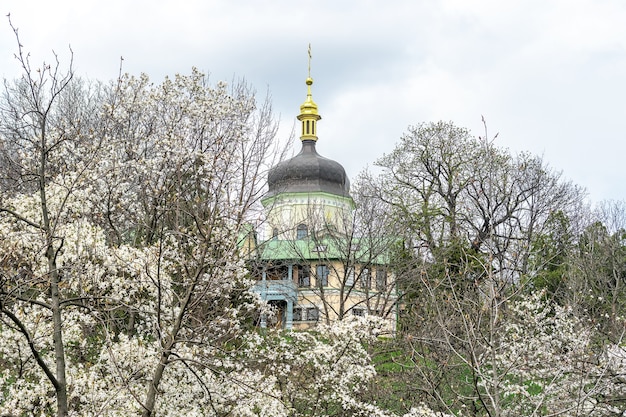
(547,75)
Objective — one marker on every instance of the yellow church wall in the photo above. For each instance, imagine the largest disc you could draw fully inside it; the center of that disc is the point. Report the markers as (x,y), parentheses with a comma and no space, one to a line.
(357,301)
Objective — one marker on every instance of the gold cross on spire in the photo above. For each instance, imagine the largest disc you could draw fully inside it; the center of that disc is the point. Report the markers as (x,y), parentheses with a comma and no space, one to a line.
(310,60)
(308,110)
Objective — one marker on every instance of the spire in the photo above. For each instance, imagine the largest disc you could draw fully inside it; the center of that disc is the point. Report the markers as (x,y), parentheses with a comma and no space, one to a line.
(308,111)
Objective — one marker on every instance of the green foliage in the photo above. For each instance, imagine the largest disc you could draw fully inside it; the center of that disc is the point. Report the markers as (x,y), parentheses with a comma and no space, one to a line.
(410,372)
(600,272)
(549,256)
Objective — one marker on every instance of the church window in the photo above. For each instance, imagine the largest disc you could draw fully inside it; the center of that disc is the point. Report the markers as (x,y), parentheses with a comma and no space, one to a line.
(365,278)
(350,277)
(304,276)
(322,273)
(297,314)
(302,231)
(306,314)
(381,278)
(312,314)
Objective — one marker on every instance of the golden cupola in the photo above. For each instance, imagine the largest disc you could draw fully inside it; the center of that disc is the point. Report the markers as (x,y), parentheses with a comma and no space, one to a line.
(309,115)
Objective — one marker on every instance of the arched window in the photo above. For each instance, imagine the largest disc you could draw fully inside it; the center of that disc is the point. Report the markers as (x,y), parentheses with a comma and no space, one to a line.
(302,231)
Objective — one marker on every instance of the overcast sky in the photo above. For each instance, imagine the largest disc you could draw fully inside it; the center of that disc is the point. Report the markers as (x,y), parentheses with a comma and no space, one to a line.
(549,76)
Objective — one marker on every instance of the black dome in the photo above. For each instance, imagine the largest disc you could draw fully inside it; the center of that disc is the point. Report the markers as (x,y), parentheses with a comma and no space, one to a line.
(308,172)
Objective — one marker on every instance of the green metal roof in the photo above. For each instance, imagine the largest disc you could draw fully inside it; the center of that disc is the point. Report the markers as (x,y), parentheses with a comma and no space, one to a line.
(326,248)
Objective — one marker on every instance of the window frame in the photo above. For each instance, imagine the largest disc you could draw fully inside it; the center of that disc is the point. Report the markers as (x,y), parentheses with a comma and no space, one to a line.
(359,312)
(312,317)
(366,278)
(322,271)
(302,231)
(381,279)
(350,274)
(304,278)
(297,314)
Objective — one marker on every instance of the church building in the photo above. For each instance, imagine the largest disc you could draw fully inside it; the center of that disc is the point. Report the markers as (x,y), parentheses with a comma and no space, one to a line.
(312,267)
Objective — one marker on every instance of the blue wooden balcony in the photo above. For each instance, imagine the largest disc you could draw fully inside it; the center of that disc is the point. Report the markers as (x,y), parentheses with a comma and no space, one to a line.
(276,290)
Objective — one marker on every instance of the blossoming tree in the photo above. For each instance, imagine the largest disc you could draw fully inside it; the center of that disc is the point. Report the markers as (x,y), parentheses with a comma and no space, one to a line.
(120,219)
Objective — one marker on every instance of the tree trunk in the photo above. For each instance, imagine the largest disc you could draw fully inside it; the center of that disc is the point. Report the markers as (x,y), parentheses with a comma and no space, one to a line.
(59,350)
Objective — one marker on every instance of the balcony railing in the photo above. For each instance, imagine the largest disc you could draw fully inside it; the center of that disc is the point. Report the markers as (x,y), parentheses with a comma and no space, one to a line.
(281,290)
